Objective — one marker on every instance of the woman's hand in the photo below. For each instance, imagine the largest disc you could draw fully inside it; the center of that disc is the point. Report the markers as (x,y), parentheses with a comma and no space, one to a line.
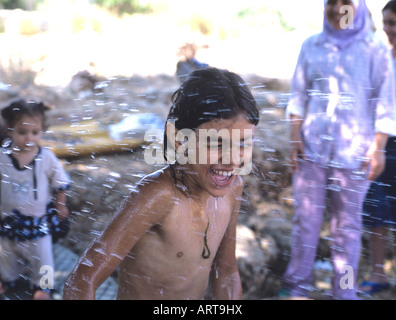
(296,144)
(375,157)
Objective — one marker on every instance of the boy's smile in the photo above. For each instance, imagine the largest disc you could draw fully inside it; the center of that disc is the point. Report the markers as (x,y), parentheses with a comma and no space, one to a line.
(222,178)
(225,155)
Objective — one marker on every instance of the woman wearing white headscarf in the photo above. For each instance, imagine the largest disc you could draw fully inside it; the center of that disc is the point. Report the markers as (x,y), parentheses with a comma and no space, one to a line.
(342,112)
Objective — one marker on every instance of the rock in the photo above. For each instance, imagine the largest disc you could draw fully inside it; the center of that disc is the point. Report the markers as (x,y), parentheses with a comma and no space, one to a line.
(83,84)
(252,261)
(268,84)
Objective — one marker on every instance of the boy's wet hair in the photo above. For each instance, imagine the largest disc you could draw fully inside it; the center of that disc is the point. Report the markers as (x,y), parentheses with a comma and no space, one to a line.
(209,94)
(20,107)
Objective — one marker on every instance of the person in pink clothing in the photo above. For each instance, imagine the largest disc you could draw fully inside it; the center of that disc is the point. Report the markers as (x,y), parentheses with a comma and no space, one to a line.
(341,114)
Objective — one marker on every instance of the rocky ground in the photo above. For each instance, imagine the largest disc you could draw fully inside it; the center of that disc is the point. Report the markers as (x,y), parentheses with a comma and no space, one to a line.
(101,182)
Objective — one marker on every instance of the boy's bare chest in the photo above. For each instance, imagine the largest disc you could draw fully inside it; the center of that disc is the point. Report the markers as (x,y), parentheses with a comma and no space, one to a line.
(171,253)
(192,232)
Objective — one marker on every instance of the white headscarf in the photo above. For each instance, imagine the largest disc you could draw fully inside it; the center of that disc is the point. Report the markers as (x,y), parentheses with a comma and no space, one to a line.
(355,2)
(361,26)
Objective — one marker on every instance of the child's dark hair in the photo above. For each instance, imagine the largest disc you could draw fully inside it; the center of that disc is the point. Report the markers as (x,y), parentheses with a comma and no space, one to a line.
(209,94)
(391,5)
(17,108)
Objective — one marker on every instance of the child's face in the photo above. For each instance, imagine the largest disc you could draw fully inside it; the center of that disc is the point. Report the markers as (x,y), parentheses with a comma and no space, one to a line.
(389,21)
(223,147)
(333,13)
(26,133)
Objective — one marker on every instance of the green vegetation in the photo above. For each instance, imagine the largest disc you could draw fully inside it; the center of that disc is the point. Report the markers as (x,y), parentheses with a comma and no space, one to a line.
(124,6)
(20,4)
(265,16)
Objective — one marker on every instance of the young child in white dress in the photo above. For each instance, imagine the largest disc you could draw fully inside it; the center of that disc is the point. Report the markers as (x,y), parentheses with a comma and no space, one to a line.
(32,197)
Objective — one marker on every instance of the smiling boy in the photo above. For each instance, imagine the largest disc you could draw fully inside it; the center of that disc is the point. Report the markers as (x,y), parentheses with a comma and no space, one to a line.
(177,231)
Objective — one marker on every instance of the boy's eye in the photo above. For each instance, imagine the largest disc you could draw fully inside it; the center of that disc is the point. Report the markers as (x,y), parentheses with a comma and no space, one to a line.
(246,143)
(240,144)
(214,146)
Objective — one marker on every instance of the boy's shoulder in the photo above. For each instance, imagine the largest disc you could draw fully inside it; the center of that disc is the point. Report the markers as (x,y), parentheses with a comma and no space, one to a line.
(157,181)
(154,191)
(156,176)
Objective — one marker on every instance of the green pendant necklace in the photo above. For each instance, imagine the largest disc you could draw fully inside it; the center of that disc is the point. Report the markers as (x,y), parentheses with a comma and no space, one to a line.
(206,251)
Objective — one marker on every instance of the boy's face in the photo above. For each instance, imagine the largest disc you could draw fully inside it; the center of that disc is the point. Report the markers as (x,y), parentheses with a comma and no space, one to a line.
(389,21)
(223,147)
(27,132)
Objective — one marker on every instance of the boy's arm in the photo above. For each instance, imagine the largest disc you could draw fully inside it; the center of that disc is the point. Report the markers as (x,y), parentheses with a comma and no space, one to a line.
(105,254)
(225,280)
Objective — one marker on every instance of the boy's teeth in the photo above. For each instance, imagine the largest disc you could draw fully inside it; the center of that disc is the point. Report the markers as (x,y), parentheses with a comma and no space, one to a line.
(224,173)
